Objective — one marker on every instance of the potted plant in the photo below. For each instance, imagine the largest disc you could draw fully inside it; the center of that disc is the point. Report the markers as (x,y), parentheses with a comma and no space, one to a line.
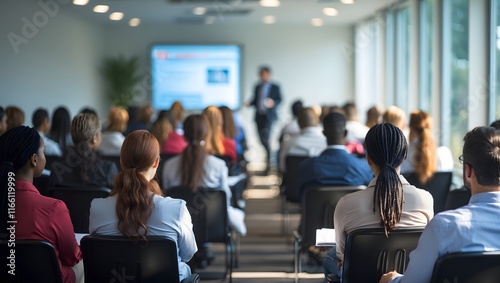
(121,74)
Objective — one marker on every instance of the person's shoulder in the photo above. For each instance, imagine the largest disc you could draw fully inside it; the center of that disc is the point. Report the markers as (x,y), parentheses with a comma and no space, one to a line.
(215,161)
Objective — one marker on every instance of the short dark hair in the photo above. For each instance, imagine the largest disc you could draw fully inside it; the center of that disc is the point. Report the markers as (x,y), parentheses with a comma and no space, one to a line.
(39,117)
(296,107)
(350,110)
(266,69)
(495,124)
(482,152)
(334,123)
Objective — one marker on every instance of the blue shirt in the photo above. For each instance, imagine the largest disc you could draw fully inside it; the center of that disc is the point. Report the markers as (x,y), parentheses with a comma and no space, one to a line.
(471,228)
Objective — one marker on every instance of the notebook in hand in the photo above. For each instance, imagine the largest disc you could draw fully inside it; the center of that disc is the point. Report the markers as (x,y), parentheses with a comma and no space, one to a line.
(325,237)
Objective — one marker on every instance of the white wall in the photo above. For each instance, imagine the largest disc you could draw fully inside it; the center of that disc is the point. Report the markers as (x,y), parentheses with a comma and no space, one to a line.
(308,62)
(56,61)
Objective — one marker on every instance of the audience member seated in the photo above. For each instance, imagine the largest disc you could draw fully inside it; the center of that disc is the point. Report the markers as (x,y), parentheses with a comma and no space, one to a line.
(177,116)
(89,110)
(15,117)
(388,201)
(233,131)
(423,157)
(136,207)
(195,168)
(334,166)
(112,137)
(395,116)
(41,123)
(471,228)
(373,116)
(311,142)
(140,121)
(356,131)
(60,130)
(292,128)
(217,143)
(38,217)
(3,121)
(82,167)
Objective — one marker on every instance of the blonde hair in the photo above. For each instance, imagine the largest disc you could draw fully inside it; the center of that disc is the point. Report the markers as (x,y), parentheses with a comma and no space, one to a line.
(176,113)
(215,135)
(425,155)
(161,128)
(117,119)
(395,116)
(84,126)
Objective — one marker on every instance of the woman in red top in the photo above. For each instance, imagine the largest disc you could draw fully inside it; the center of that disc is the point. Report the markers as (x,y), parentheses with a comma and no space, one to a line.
(217,143)
(38,217)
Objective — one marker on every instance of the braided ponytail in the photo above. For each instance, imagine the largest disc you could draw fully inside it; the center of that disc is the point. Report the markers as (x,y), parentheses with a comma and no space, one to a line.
(387,147)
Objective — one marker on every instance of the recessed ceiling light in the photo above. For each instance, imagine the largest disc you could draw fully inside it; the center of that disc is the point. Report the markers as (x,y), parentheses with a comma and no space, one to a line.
(317,22)
(116,16)
(268,20)
(80,2)
(209,20)
(330,11)
(101,8)
(199,11)
(347,1)
(269,3)
(134,22)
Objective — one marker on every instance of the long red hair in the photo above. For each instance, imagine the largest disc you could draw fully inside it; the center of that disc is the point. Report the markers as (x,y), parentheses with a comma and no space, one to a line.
(134,192)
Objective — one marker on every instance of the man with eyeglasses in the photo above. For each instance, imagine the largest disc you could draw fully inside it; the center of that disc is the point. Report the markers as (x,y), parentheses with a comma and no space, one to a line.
(471,228)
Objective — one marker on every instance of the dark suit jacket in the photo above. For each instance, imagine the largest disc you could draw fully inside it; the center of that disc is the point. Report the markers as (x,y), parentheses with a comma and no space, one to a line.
(334,167)
(274,94)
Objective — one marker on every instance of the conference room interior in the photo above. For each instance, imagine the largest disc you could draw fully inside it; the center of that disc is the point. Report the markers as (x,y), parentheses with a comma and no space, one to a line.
(438,56)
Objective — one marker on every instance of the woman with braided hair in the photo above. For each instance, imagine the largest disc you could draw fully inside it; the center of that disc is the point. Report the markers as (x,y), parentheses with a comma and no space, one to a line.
(136,207)
(389,201)
(38,217)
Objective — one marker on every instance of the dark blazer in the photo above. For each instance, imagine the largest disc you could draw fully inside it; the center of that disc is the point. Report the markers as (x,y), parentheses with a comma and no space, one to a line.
(274,94)
(334,167)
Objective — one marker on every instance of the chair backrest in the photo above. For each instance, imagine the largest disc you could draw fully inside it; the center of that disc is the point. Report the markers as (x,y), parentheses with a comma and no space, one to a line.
(42,184)
(208,209)
(291,177)
(113,158)
(457,198)
(78,202)
(467,267)
(438,185)
(368,253)
(163,159)
(118,259)
(34,261)
(318,206)
(51,159)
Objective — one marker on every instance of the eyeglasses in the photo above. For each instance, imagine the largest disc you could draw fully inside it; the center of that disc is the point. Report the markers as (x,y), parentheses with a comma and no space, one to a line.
(461,159)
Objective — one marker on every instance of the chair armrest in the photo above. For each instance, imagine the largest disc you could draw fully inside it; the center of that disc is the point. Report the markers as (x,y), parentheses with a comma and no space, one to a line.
(333,278)
(297,236)
(193,278)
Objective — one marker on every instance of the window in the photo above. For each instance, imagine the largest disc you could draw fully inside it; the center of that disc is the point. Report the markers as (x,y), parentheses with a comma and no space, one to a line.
(403,57)
(455,74)
(494,104)
(426,48)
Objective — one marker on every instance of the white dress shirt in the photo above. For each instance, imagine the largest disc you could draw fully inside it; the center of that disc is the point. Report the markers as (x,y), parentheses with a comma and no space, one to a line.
(169,217)
(471,228)
(51,147)
(356,131)
(311,142)
(111,143)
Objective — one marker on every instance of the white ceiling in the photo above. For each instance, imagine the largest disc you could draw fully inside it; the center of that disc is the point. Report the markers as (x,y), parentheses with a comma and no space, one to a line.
(226,11)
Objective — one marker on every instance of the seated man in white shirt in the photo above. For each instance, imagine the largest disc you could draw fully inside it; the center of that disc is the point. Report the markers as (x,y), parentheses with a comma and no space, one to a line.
(41,123)
(471,228)
(311,141)
(356,131)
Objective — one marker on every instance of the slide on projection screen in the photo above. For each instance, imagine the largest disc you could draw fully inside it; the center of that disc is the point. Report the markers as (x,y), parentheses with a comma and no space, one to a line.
(196,75)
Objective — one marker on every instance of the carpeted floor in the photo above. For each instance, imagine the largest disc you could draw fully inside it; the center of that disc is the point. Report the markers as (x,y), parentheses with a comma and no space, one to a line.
(266,253)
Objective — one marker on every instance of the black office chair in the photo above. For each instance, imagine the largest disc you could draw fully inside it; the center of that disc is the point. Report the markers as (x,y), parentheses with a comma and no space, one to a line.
(118,259)
(208,209)
(467,267)
(42,184)
(113,158)
(78,202)
(457,198)
(163,159)
(50,160)
(290,188)
(318,206)
(438,185)
(368,253)
(35,261)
